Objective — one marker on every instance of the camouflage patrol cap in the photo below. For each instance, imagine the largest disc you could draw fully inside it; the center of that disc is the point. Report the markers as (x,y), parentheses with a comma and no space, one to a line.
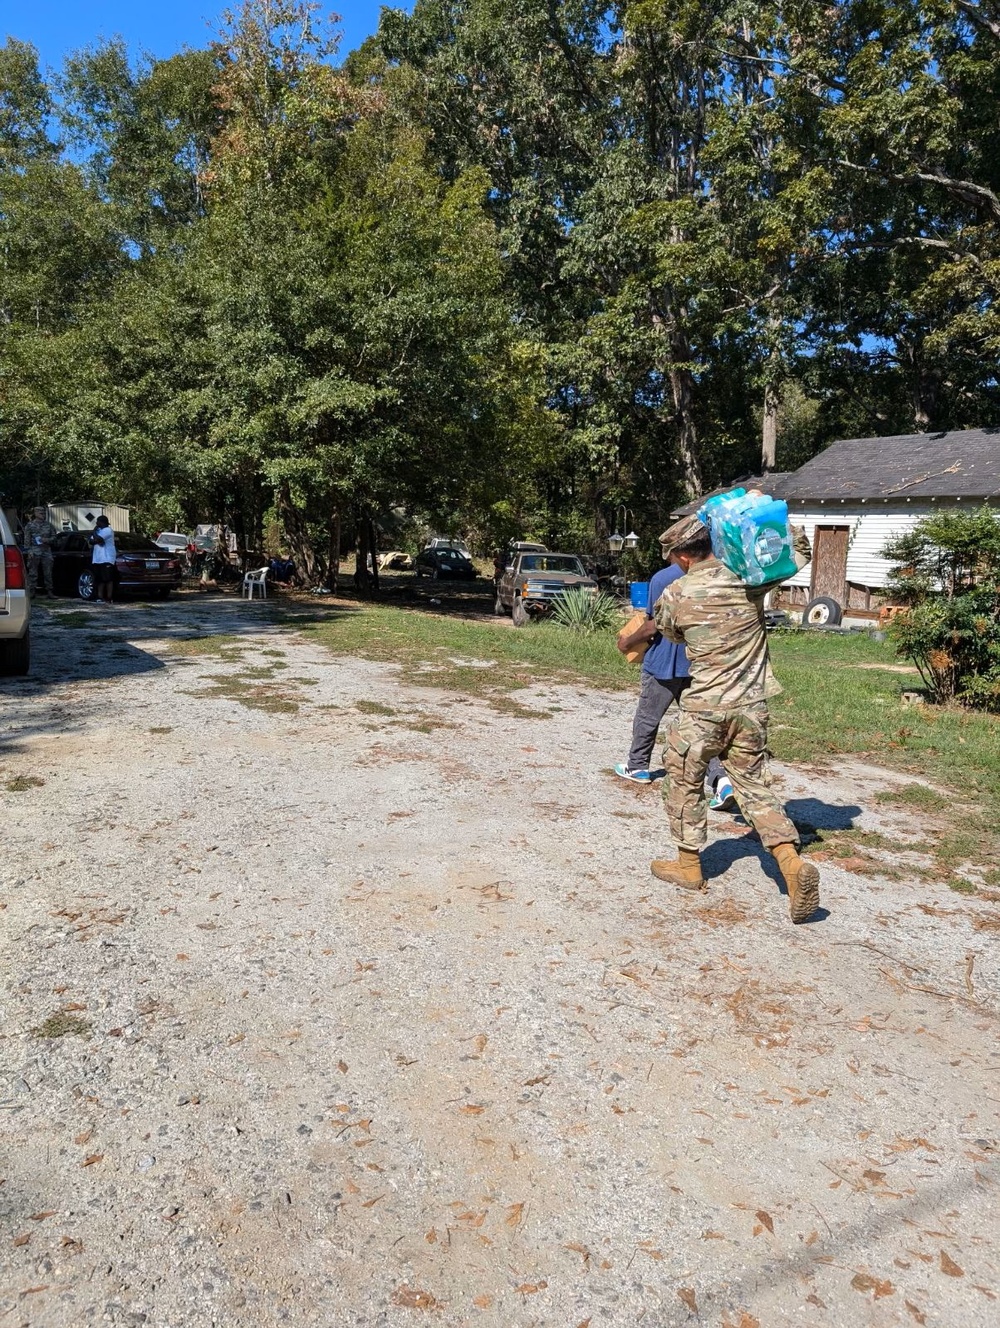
(681,532)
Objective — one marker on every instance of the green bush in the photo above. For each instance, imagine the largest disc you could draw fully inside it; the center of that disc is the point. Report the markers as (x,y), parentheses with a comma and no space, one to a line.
(948,574)
(580,611)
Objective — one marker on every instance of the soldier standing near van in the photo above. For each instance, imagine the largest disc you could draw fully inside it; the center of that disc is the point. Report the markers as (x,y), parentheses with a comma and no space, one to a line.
(723,713)
(38,536)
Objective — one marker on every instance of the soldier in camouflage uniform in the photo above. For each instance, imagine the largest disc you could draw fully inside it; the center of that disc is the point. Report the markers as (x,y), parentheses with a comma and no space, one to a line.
(724,712)
(38,536)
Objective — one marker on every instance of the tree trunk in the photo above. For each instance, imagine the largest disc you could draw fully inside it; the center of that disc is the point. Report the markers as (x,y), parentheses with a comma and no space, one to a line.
(682,389)
(297,534)
(373,545)
(769,442)
(333,567)
(362,574)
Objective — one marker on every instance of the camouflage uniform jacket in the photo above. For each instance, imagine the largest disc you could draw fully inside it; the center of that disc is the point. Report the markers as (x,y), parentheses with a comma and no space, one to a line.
(39,530)
(721,623)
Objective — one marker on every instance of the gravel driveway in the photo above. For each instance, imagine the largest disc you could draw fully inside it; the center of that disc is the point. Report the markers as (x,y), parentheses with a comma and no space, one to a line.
(368,1012)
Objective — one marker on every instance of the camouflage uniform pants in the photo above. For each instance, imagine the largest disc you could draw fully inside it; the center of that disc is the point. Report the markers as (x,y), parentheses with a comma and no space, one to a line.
(38,557)
(739,737)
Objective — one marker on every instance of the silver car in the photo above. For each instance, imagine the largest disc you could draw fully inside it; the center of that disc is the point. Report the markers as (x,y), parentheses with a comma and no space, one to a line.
(15,606)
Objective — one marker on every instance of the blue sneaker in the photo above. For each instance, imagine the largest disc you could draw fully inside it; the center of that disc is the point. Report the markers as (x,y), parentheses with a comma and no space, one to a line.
(724,799)
(635,776)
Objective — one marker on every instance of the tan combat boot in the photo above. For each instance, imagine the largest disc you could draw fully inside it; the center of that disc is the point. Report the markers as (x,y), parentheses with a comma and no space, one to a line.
(685,872)
(802,879)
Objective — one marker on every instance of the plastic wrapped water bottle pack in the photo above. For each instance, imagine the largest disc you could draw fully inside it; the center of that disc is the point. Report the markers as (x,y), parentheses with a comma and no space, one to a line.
(750,534)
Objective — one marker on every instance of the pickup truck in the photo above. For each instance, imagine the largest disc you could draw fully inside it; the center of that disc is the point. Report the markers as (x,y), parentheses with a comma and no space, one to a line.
(532,582)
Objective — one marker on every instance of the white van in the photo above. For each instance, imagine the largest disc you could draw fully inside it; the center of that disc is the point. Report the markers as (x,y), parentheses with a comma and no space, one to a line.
(15,606)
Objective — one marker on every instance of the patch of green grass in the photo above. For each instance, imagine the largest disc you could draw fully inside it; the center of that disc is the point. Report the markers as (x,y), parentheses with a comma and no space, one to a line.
(21,783)
(206,645)
(162,728)
(373,708)
(74,618)
(831,707)
(250,692)
(426,646)
(915,795)
(62,1025)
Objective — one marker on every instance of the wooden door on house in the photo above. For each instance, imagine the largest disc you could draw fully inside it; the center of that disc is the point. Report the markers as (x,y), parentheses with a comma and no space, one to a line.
(829,562)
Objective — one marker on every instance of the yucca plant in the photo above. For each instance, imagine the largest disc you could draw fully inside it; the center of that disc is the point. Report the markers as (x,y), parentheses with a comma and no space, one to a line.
(580,611)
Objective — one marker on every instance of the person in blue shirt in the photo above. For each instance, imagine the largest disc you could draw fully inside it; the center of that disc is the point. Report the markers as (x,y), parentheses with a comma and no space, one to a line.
(665,675)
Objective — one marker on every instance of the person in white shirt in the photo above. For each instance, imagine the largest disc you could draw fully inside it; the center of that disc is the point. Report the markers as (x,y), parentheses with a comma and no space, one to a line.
(103,559)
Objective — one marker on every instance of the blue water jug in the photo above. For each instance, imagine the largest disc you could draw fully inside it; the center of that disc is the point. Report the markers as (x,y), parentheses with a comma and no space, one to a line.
(639,594)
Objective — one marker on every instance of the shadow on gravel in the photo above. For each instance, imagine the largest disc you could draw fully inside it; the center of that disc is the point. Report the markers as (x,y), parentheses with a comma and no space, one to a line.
(75,642)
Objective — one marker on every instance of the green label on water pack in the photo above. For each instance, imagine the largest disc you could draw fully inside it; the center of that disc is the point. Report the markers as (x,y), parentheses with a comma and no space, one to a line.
(767,547)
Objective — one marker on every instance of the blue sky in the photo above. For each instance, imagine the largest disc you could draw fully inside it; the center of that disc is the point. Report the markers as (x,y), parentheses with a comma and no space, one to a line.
(161,27)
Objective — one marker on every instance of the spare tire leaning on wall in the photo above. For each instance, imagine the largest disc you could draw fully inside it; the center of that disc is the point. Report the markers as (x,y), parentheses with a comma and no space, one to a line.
(823,611)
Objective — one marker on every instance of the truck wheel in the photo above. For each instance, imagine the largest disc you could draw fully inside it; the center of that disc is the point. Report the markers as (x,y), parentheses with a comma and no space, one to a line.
(15,656)
(85,585)
(518,613)
(822,612)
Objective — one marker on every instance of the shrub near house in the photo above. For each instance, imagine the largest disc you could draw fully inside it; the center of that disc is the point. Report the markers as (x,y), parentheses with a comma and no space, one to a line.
(948,573)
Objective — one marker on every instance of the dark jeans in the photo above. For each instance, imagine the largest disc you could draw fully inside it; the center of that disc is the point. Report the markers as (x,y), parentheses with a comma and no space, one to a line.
(656,696)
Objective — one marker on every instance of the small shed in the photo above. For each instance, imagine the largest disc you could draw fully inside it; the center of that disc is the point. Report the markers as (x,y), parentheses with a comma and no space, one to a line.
(83,515)
(859,493)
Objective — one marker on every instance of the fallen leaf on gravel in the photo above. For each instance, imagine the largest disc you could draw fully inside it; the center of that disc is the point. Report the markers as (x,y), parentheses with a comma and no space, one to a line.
(765,1220)
(74,1005)
(863,1282)
(370,1203)
(412,1298)
(431,1237)
(949,1267)
(83,1138)
(72,1246)
(529,1288)
(514,1213)
(914,1312)
(472,1110)
(579,1249)
(181,956)
(687,1295)
(21,1240)
(116,1032)
(712,1235)
(483,1302)
(40,1217)
(30,1291)
(92,1160)
(584,1323)
(342,1067)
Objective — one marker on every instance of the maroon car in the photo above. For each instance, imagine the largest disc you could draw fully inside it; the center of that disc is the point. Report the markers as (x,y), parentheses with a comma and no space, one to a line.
(141,567)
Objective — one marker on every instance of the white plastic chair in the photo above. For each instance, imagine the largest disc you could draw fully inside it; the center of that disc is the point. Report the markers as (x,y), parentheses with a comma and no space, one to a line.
(255,581)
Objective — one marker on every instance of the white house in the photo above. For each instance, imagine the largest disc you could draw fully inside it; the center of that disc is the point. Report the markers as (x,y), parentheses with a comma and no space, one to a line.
(860,492)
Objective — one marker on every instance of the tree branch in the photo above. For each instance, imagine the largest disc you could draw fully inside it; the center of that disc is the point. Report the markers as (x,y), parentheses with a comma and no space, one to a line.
(976,194)
(978,17)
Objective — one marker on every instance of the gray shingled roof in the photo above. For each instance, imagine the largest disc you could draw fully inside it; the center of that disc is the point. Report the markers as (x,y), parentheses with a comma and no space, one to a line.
(770,483)
(964,463)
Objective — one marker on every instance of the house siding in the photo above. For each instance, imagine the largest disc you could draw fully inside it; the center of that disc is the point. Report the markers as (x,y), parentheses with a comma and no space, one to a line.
(872,526)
